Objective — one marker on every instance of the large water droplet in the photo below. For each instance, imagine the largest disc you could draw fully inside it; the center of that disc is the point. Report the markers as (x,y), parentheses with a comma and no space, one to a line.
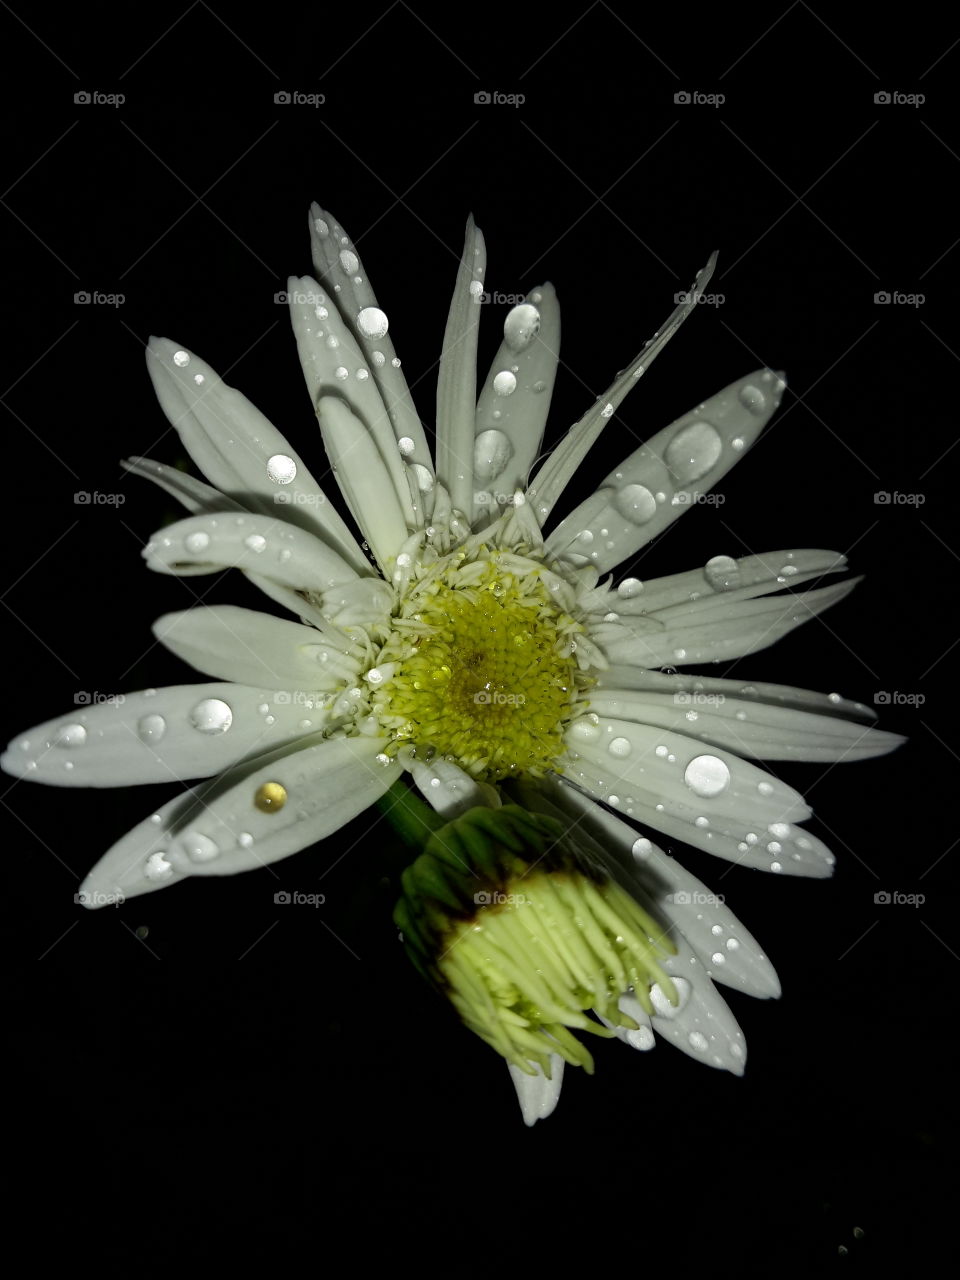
(255,542)
(642,849)
(693,451)
(635,503)
(373,323)
(662,1006)
(629,587)
(521,326)
(585,730)
(70,735)
(212,715)
(196,542)
(752,398)
(198,847)
(723,573)
(151,728)
(504,384)
(619,746)
(707,776)
(181,359)
(492,451)
(157,867)
(281,469)
(349,261)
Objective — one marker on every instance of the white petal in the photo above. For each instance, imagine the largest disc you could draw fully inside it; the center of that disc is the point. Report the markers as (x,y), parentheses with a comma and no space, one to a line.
(703,1026)
(194,494)
(552,478)
(238,449)
(512,410)
(684,901)
(664,780)
(218,829)
(447,787)
(667,474)
(165,735)
(743,579)
(333,365)
(713,629)
(457,382)
(641,1037)
(255,648)
(537,1095)
(363,478)
(354,297)
(749,727)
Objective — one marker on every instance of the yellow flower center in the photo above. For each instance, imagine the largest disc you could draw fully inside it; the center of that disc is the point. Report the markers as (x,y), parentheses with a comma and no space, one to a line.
(489,679)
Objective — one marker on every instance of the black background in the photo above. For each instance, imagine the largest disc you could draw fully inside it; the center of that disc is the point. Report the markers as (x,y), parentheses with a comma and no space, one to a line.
(284,1067)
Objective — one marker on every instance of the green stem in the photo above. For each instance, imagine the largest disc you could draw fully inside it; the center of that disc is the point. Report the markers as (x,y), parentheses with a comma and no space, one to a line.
(412,819)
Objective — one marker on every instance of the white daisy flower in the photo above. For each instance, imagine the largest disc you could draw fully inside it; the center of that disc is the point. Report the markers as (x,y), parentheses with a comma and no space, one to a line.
(466,642)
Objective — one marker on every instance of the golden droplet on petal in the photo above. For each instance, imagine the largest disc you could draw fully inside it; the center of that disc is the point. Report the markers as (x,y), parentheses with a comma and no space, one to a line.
(270,797)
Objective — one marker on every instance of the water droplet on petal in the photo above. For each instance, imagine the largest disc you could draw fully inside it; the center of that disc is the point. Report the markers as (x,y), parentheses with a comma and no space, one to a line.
(698,1041)
(212,715)
(196,542)
(629,587)
(151,728)
(661,1004)
(620,747)
(373,323)
(693,451)
(199,848)
(722,573)
(707,776)
(504,384)
(492,451)
(521,326)
(281,469)
(181,359)
(70,735)
(642,849)
(255,542)
(635,503)
(157,867)
(752,398)
(349,262)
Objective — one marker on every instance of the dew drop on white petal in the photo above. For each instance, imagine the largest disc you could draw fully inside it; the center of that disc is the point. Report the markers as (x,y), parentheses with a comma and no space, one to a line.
(476,288)
(245,839)
(775,866)
(619,747)
(406,446)
(196,542)
(212,715)
(629,587)
(737,443)
(613,800)
(199,848)
(765,788)
(752,398)
(157,867)
(779,829)
(834,697)
(341,373)
(716,930)
(539,386)
(70,735)
(606,411)
(181,359)
(585,730)
(255,542)
(373,323)
(492,451)
(378,358)
(635,503)
(349,262)
(751,837)
(662,752)
(662,1005)
(736,1051)
(321,226)
(521,326)
(707,776)
(199,379)
(151,728)
(698,1041)
(722,573)
(395,362)
(718,958)
(702,822)
(642,849)
(424,477)
(585,536)
(693,451)
(281,469)
(733,944)
(504,384)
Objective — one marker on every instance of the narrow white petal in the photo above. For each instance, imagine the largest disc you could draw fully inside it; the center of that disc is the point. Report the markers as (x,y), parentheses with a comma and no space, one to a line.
(729,952)
(218,829)
(537,1095)
(238,449)
(447,787)
(333,365)
(713,630)
(667,474)
(745,838)
(333,252)
(751,728)
(163,735)
(514,402)
(702,1026)
(363,478)
(555,474)
(257,649)
(457,382)
(721,575)
(196,496)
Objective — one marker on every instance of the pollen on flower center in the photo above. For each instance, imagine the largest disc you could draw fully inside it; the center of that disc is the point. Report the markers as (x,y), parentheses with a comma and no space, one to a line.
(489,680)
